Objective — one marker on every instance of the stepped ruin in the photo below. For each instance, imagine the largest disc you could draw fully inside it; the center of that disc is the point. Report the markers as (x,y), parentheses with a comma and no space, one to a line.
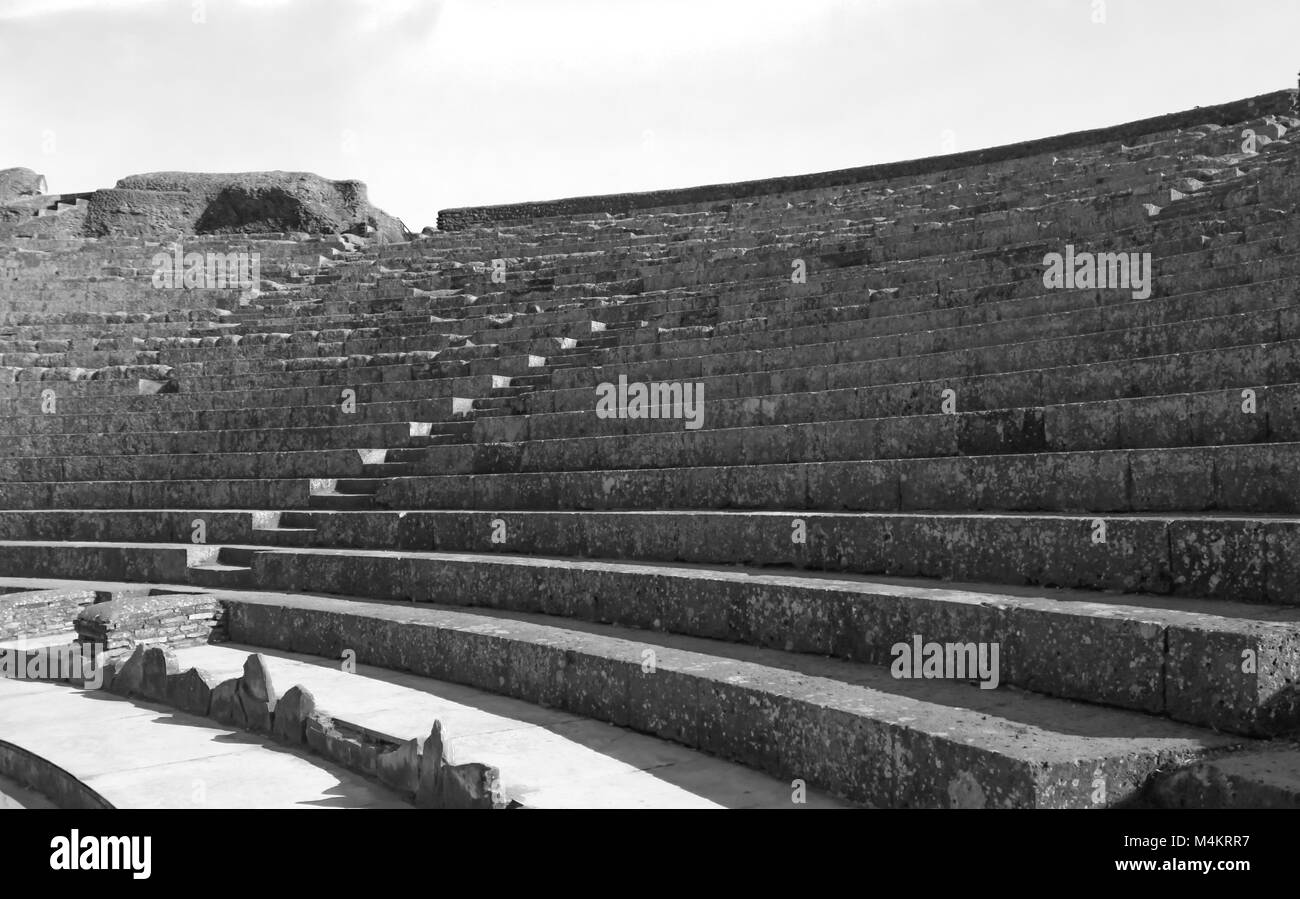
(915,522)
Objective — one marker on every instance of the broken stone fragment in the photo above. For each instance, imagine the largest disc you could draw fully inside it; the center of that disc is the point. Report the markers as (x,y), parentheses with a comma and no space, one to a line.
(327,738)
(472,785)
(317,729)
(257,680)
(256,698)
(400,768)
(159,663)
(129,677)
(225,702)
(191,691)
(289,724)
(427,793)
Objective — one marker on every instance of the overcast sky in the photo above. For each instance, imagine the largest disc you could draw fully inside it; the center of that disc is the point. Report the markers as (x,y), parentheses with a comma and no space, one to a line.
(437,103)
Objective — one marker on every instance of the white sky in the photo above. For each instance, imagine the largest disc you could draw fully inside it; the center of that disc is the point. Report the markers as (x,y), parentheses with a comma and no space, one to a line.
(438,103)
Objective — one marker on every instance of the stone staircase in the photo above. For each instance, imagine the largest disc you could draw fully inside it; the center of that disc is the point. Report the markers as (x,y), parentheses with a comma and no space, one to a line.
(941,535)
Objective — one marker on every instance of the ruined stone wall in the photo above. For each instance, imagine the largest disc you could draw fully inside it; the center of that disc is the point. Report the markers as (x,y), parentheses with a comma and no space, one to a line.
(241,203)
(19,182)
(170,205)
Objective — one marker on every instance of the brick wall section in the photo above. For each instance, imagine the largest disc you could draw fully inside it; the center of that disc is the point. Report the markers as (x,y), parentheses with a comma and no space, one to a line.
(173,619)
(1277,103)
(39,612)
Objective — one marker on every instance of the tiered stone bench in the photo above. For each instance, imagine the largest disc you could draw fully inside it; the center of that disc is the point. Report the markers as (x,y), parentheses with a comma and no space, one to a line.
(397,449)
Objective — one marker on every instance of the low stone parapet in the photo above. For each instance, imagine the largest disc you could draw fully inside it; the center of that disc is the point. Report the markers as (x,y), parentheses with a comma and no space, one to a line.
(251,702)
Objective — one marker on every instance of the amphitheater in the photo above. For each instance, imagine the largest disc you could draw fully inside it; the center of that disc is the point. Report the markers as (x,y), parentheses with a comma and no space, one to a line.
(811,492)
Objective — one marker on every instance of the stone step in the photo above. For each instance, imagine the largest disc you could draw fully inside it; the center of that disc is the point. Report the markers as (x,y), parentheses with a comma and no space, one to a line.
(270,440)
(1243,558)
(286,335)
(1086,337)
(1145,654)
(1245,478)
(111,424)
(90,397)
(1213,419)
(244,493)
(1220,556)
(1183,419)
(341,501)
(814,335)
(850,729)
(289,464)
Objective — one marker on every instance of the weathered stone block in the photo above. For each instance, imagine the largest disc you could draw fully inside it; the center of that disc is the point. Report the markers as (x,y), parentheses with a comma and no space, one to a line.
(158,665)
(251,713)
(400,768)
(292,712)
(317,729)
(472,785)
(128,679)
(191,691)
(224,707)
(256,696)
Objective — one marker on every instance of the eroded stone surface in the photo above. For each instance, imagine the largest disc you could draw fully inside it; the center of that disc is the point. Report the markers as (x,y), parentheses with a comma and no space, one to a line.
(224,706)
(292,713)
(158,665)
(129,678)
(191,691)
(400,768)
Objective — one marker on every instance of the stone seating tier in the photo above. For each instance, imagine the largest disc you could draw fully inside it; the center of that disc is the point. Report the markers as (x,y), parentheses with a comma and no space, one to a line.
(905,432)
